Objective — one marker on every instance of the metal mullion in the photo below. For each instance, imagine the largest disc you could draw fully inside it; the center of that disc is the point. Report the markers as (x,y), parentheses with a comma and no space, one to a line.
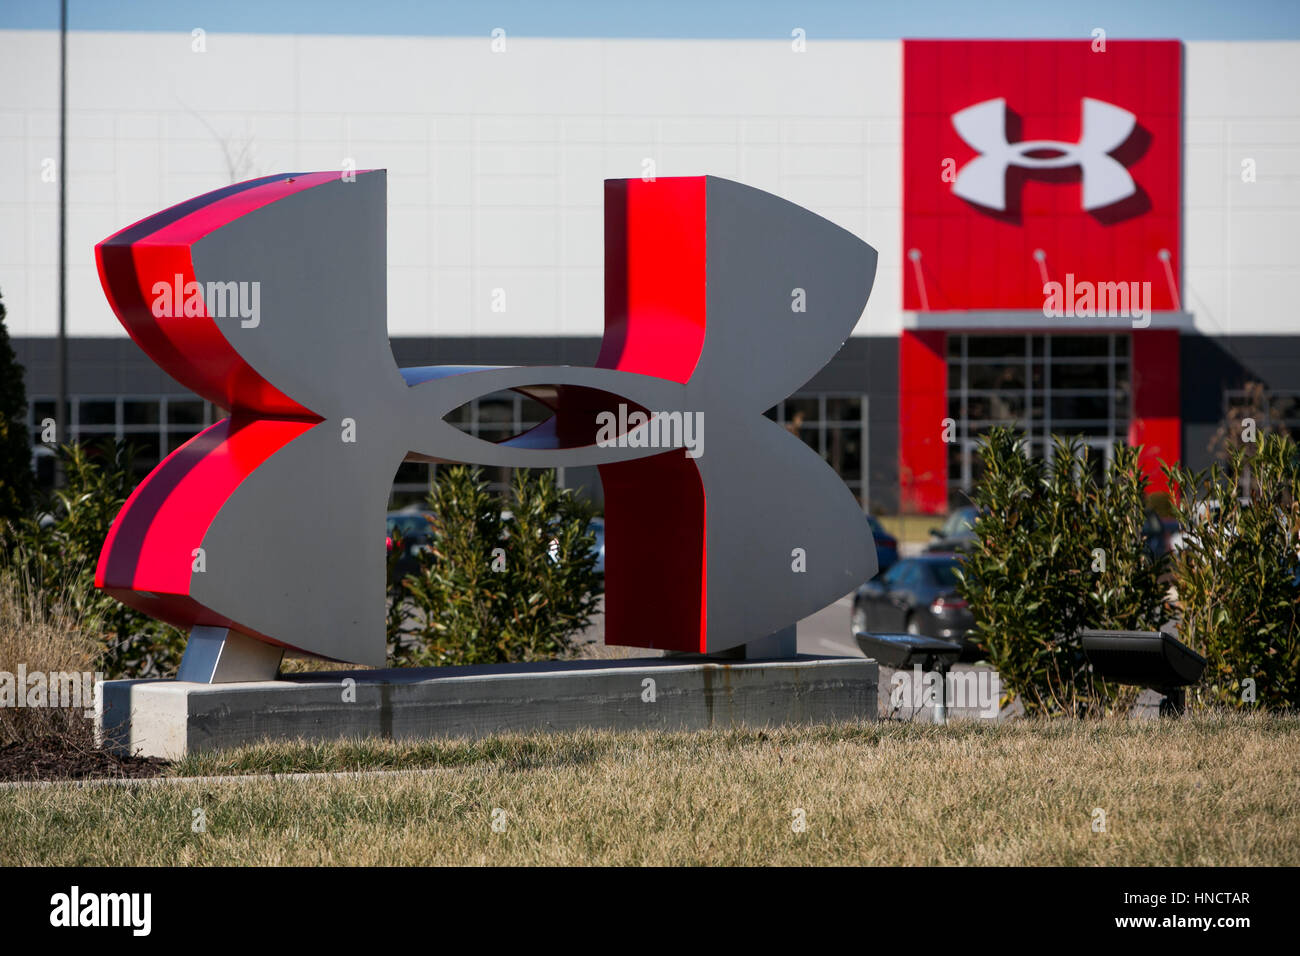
(1110,406)
(163,437)
(1047,396)
(980,392)
(864,443)
(1029,388)
(1059,393)
(963,434)
(821,426)
(964,406)
(963,424)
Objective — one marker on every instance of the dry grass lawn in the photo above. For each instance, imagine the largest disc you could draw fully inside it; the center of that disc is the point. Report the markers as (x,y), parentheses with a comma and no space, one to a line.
(40,640)
(1207,790)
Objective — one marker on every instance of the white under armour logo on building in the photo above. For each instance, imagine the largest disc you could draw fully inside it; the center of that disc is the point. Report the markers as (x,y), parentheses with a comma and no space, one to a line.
(984,126)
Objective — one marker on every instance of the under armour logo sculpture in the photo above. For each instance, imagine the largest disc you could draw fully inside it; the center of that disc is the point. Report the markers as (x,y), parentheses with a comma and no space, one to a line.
(984,179)
(290,516)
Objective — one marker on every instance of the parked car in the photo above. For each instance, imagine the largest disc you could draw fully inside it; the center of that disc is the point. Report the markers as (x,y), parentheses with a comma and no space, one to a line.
(1158,533)
(598,528)
(886,545)
(917,596)
(1205,511)
(411,528)
(958,531)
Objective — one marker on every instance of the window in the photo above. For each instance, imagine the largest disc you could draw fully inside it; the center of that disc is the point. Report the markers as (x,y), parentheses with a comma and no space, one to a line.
(892,577)
(944,573)
(834,426)
(963,519)
(155,425)
(909,578)
(1272,409)
(494,418)
(1040,384)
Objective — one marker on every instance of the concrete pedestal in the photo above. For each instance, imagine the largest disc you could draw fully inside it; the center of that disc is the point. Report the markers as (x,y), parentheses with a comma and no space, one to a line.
(173,718)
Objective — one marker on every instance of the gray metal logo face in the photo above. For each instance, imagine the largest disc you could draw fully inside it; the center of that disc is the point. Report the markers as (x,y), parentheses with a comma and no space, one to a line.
(721,300)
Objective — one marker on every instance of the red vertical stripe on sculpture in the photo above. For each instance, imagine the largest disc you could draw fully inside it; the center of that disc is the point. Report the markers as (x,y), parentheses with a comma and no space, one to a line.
(655,566)
(655,272)
(656,243)
(704,566)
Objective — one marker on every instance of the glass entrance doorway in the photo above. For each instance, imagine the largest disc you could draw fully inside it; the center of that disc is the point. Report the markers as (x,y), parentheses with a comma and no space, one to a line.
(1040,384)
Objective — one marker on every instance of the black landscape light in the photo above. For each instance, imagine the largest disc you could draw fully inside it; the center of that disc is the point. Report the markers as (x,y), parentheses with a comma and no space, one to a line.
(904,651)
(1146,658)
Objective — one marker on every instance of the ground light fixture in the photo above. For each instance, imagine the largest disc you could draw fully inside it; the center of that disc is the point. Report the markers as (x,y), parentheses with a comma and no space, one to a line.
(905,651)
(1146,658)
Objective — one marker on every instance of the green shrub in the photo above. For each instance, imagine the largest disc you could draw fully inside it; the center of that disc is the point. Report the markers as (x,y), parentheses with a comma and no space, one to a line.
(15,445)
(504,579)
(1130,593)
(1056,551)
(1238,576)
(58,551)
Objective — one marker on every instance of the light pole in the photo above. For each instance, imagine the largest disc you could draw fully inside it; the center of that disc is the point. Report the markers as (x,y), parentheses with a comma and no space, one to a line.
(61,410)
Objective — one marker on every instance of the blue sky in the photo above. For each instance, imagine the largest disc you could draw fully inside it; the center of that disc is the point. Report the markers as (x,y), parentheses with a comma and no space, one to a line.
(830,19)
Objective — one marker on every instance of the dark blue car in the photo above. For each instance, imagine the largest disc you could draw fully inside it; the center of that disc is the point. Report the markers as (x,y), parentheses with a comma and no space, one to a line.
(886,544)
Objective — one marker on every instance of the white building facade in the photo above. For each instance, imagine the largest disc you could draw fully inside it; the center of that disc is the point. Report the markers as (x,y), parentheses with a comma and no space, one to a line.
(496,160)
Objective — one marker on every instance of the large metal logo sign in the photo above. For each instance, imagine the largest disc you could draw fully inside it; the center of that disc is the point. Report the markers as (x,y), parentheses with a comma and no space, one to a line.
(268,299)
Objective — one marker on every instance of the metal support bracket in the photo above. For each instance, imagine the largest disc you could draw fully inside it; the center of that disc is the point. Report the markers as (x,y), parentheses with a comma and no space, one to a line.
(218,655)
(780,645)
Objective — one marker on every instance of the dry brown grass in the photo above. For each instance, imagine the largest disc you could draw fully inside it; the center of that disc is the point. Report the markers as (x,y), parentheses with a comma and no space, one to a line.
(45,641)
(1208,790)
(315,665)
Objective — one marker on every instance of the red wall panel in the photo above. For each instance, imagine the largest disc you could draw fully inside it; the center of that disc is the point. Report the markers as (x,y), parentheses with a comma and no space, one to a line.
(973,257)
(1156,424)
(922,407)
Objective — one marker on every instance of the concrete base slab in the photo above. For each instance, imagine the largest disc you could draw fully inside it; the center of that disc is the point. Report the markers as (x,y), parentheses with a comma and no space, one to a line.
(173,718)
